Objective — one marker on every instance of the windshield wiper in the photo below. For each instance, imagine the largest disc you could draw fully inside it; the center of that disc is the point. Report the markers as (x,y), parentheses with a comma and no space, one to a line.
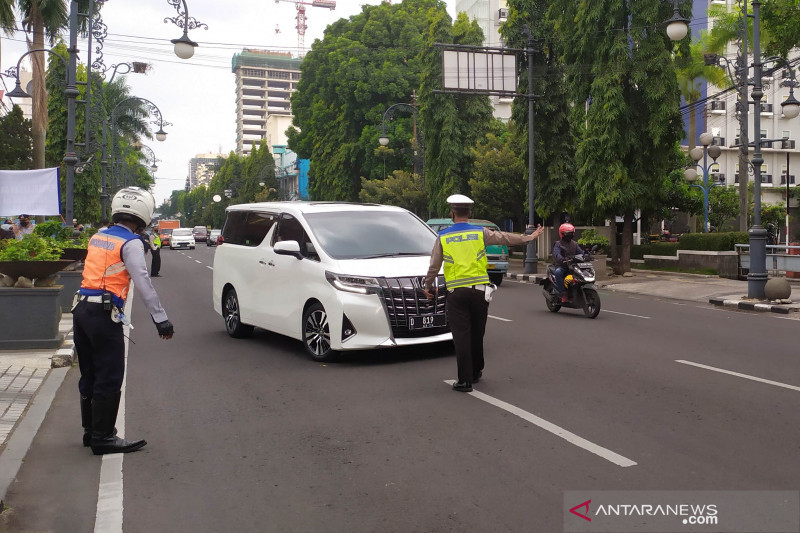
(392,254)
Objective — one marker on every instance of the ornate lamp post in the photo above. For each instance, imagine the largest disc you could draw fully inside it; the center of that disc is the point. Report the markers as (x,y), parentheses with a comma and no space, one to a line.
(184,46)
(691,174)
(71,93)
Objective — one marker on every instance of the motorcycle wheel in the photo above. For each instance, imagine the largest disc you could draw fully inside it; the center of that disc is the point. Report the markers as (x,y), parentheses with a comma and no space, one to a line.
(591,303)
(552,305)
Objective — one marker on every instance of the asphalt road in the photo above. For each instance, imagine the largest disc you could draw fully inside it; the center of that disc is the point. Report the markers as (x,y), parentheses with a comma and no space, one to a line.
(253,436)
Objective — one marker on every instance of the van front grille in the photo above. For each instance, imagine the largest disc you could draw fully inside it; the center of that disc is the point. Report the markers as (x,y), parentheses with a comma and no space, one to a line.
(405,297)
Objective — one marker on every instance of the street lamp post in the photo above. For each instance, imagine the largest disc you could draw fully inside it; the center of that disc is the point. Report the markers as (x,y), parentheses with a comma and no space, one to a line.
(691,174)
(531,265)
(152,108)
(757,276)
(418,136)
(71,93)
(184,46)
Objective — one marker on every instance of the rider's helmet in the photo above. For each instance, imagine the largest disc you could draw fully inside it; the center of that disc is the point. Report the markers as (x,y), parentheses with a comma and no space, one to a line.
(133,201)
(566,228)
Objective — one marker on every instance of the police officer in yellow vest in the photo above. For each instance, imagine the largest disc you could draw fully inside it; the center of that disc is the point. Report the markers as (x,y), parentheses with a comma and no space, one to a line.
(114,259)
(155,247)
(462,249)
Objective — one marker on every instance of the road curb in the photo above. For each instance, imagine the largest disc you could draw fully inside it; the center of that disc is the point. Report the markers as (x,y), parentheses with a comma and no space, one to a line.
(750,306)
(527,278)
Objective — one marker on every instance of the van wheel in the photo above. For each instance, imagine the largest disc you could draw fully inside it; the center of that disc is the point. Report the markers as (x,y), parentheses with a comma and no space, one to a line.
(317,333)
(233,321)
(497,279)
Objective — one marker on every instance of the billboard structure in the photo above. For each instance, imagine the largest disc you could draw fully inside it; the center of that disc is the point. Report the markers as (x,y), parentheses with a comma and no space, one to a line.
(477,70)
(493,72)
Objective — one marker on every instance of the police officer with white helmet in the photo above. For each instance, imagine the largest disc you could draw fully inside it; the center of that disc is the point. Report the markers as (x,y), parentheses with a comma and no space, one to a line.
(462,249)
(115,258)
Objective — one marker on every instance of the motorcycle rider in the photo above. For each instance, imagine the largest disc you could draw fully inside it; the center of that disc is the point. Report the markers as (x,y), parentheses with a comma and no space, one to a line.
(564,250)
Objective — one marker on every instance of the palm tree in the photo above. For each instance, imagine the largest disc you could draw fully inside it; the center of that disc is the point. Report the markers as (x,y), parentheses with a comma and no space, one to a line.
(42,19)
(691,72)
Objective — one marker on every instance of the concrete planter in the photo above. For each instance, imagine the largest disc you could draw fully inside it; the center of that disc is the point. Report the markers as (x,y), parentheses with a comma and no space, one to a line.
(600,266)
(71,281)
(30,318)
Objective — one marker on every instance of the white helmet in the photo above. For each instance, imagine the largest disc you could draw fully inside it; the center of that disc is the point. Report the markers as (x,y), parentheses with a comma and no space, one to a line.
(459,200)
(134,201)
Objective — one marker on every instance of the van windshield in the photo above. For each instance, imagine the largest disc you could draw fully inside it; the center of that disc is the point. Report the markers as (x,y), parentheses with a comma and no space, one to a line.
(182,232)
(370,234)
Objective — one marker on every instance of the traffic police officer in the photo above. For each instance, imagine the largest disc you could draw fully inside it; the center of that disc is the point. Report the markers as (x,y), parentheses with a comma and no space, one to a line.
(462,248)
(155,246)
(115,258)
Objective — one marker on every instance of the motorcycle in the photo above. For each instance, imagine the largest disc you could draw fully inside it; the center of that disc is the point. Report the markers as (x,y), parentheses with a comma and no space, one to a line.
(579,282)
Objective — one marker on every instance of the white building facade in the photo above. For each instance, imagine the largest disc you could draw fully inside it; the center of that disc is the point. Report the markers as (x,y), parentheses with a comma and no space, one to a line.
(265,81)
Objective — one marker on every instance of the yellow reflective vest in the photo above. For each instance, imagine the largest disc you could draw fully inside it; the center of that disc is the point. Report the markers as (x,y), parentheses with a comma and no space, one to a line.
(464,254)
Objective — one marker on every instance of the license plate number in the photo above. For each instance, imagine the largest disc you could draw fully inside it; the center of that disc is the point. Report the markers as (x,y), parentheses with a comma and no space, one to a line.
(427,321)
(490,267)
(585,265)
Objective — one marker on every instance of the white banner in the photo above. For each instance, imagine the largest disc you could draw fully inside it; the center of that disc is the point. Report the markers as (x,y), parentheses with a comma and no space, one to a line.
(32,192)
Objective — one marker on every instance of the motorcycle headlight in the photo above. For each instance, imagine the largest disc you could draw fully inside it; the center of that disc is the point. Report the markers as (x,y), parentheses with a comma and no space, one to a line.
(357,284)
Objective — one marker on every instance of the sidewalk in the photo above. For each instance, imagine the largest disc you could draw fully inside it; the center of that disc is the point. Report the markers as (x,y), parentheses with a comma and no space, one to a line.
(29,380)
(691,287)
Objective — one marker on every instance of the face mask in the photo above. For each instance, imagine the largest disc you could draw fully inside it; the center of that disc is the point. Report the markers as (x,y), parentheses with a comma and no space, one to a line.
(567,238)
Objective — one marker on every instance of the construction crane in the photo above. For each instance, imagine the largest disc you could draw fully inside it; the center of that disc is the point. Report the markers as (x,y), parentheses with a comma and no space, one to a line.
(301,17)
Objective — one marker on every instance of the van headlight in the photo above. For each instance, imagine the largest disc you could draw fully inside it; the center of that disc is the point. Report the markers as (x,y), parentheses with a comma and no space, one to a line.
(357,284)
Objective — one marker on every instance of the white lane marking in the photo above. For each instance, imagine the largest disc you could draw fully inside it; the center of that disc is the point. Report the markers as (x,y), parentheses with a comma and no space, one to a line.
(196,261)
(189,256)
(210,268)
(500,319)
(626,314)
(570,437)
(108,516)
(737,374)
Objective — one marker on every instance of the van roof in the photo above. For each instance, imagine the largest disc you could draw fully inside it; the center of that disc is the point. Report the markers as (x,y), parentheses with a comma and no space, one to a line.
(312,207)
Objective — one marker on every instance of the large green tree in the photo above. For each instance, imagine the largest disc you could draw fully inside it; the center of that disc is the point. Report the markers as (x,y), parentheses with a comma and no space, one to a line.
(15,142)
(454,124)
(362,67)
(499,181)
(618,60)
(555,186)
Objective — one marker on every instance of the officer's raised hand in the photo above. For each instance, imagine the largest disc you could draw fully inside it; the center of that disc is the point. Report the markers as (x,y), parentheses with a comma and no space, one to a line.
(165,329)
(534,230)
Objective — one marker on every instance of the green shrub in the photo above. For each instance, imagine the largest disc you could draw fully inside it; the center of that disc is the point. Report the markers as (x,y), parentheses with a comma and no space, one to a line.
(714,242)
(32,247)
(590,237)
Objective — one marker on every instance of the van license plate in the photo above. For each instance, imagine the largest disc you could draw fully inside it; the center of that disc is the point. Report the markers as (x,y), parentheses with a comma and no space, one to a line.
(427,321)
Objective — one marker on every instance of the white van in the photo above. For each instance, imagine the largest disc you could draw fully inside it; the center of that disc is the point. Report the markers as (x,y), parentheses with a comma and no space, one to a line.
(338,276)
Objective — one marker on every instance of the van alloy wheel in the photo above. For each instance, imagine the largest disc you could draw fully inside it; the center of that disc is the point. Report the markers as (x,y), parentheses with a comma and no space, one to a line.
(317,334)
(230,312)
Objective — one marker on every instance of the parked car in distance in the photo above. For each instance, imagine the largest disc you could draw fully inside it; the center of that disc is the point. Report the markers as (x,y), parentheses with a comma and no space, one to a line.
(164,235)
(496,254)
(213,235)
(336,276)
(182,238)
(200,233)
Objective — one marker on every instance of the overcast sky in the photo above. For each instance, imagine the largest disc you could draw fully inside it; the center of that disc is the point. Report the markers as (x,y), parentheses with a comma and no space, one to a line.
(196,95)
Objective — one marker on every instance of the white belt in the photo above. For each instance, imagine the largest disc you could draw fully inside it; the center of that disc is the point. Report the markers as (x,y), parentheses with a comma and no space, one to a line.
(93,299)
(481,288)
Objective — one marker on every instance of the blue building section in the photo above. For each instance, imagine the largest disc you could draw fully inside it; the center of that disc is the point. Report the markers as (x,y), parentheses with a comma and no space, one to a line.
(698,24)
(302,178)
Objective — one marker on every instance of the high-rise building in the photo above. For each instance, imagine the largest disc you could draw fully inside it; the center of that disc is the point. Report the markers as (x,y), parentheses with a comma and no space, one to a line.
(490,15)
(264,82)
(202,168)
(716,114)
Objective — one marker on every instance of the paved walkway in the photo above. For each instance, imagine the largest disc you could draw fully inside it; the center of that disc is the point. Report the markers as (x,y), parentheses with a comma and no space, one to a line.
(29,380)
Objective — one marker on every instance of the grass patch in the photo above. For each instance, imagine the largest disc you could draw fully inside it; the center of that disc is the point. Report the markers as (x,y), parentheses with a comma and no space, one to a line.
(703,271)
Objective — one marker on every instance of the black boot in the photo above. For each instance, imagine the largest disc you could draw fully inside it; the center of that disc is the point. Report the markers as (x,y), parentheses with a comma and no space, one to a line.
(104,438)
(86,419)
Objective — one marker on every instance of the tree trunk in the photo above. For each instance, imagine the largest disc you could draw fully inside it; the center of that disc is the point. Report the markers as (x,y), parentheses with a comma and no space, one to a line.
(692,126)
(627,242)
(39,122)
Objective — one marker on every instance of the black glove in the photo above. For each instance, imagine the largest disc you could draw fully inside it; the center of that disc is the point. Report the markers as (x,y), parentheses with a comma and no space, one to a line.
(165,328)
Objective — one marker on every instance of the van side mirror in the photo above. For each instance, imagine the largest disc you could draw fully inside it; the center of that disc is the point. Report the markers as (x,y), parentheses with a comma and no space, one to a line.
(288,248)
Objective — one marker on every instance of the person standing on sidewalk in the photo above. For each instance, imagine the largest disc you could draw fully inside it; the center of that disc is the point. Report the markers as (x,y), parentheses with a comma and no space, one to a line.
(115,258)
(462,249)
